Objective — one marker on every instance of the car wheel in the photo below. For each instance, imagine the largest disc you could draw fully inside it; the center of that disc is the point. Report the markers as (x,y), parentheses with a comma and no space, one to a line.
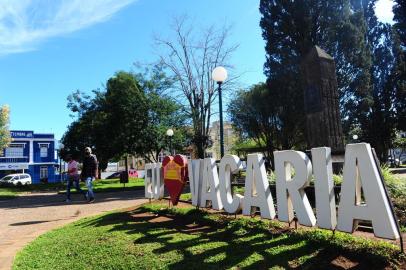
(19,184)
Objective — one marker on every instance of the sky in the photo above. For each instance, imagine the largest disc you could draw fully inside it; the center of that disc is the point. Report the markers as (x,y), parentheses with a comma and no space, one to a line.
(49,48)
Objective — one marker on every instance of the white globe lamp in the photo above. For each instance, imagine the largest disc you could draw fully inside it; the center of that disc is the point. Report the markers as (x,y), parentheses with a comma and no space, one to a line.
(219,74)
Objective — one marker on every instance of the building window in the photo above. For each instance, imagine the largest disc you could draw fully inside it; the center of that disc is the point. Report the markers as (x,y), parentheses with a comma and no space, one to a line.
(43,149)
(43,172)
(15,150)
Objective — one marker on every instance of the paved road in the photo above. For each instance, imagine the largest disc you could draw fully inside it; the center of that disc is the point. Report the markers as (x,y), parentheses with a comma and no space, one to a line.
(26,217)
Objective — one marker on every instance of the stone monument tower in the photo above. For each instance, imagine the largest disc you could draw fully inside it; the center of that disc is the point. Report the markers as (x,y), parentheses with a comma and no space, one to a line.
(321,99)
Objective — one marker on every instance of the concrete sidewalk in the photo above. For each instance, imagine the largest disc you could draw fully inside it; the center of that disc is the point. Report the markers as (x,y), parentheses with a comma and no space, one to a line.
(26,217)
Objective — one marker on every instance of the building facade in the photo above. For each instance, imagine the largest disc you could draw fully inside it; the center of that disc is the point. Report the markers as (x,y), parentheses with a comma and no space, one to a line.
(229,139)
(30,153)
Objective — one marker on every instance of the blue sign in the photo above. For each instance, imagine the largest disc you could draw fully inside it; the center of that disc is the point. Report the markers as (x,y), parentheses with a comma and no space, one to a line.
(22,134)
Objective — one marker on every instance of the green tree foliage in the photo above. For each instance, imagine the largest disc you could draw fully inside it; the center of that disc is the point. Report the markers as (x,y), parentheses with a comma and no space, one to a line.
(291,29)
(399,12)
(129,118)
(163,113)
(378,125)
(257,114)
(386,111)
(5,137)
(399,74)
(125,107)
(369,64)
(89,128)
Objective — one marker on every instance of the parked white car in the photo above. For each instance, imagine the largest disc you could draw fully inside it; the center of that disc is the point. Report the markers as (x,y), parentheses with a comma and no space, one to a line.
(17,179)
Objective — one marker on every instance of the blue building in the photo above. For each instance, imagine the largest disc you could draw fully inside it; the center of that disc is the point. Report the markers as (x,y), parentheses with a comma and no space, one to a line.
(30,153)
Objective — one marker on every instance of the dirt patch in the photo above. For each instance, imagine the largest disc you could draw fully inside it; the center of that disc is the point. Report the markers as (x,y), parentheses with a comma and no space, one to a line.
(343,262)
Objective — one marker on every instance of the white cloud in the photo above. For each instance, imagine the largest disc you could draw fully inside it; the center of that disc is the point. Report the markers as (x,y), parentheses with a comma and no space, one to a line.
(383,10)
(24,24)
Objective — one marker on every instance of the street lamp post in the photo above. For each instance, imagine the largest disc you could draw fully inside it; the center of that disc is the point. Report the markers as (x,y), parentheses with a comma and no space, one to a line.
(169,133)
(219,75)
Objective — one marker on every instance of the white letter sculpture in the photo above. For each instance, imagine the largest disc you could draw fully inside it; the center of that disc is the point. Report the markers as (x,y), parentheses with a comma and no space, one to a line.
(229,164)
(324,188)
(257,192)
(360,170)
(291,190)
(195,171)
(149,193)
(210,185)
(154,184)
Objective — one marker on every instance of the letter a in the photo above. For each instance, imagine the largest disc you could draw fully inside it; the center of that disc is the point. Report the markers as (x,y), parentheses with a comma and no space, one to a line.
(360,170)
(257,192)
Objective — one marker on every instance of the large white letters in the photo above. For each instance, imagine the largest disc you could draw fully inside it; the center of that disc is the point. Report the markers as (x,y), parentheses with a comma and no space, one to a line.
(195,171)
(360,170)
(291,190)
(210,185)
(324,188)
(293,171)
(229,164)
(257,192)
(149,193)
(154,184)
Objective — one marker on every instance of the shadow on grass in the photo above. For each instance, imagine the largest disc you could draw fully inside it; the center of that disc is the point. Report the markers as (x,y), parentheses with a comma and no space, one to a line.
(194,235)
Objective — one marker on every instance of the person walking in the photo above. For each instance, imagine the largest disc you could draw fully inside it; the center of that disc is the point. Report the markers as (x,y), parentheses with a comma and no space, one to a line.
(73,177)
(89,172)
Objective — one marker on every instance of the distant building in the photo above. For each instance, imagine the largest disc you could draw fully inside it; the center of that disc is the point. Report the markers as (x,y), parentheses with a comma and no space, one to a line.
(230,138)
(398,155)
(30,153)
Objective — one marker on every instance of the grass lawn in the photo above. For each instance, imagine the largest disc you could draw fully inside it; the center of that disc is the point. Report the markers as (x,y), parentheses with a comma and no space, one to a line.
(99,186)
(8,193)
(155,237)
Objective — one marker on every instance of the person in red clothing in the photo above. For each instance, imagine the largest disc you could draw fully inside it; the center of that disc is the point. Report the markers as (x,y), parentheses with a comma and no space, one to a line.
(73,177)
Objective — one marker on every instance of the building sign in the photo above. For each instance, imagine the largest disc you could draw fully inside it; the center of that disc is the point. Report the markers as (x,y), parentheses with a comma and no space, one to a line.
(6,166)
(22,134)
(293,170)
(174,174)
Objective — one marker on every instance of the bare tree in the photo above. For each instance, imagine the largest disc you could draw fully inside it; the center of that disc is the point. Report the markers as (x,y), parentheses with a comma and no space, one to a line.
(191,60)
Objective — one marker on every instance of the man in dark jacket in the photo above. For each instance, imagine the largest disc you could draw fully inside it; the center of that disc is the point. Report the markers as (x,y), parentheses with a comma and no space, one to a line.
(89,172)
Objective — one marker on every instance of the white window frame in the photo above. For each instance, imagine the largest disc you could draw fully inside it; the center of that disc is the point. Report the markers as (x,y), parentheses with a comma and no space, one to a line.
(41,147)
(15,154)
(43,172)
